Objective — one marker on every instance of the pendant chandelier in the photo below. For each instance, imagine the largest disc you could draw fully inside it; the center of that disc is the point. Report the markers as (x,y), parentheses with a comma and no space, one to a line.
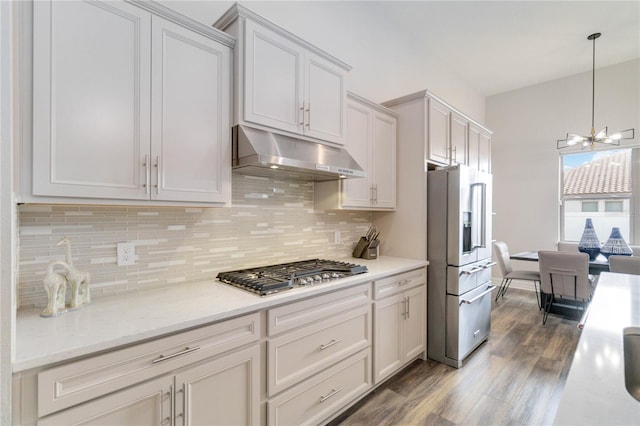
(602,136)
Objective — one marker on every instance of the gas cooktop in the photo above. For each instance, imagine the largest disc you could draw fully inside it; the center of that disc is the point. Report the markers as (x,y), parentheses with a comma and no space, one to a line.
(275,278)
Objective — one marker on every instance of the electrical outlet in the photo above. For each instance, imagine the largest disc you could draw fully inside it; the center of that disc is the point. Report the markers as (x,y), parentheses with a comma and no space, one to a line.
(126,253)
(337,239)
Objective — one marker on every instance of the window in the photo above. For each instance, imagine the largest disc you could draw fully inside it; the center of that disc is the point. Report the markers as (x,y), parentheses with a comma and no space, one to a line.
(613,206)
(598,185)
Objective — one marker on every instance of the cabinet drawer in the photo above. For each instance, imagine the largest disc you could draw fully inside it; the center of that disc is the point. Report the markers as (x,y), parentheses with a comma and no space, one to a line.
(397,283)
(314,400)
(297,355)
(76,382)
(308,311)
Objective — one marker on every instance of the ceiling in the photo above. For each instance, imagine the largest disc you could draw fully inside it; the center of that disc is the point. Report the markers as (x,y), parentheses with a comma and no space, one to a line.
(497,46)
(494,46)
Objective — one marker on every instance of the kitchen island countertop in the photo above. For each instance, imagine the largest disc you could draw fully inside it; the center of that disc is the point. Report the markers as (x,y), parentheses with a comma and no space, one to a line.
(595,392)
(127,318)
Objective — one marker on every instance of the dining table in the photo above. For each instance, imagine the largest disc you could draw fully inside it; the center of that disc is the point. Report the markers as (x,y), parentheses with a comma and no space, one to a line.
(596,266)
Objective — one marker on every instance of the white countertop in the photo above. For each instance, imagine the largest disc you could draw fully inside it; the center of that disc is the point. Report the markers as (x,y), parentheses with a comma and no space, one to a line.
(130,317)
(595,392)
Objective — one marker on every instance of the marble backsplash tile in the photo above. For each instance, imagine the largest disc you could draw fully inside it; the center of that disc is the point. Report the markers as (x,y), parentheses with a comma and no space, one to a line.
(270,221)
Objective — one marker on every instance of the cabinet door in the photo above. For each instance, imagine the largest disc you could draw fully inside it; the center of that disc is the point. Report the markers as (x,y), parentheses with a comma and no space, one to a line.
(191,146)
(414,332)
(91,83)
(145,404)
(384,161)
(479,149)
(224,391)
(325,95)
(484,153)
(358,192)
(438,144)
(273,74)
(459,135)
(387,346)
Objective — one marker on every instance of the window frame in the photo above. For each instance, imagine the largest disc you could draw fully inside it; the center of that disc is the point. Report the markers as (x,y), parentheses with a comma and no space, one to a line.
(634,199)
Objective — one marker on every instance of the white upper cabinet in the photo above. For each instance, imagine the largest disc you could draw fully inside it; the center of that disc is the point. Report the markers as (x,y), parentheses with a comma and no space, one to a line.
(92,64)
(479,149)
(438,149)
(190,140)
(371,141)
(284,83)
(128,105)
(459,137)
(449,136)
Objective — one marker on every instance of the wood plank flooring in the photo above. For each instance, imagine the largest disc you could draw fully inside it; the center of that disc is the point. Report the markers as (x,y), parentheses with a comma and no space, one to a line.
(515,378)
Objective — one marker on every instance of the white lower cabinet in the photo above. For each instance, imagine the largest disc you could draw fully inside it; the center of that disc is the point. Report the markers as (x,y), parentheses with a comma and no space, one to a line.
(146,404)
(318,356)
(399,322)
(180,379)
(195,395)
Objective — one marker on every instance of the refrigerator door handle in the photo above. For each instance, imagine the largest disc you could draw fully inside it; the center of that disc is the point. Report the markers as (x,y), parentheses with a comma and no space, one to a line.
(484,293)
(480,217)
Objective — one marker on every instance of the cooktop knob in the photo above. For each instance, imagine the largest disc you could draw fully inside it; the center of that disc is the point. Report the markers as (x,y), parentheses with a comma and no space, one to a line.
(335,275)
(317,278)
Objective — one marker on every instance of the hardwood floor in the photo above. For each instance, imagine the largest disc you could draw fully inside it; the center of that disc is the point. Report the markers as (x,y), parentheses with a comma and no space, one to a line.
(515,378)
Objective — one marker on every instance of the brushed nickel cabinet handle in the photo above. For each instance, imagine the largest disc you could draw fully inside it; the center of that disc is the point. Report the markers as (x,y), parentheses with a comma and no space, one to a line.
(331,343)
(308,117)
(330,394)
(302,111)
(157,175)
(146,174)
(186,350)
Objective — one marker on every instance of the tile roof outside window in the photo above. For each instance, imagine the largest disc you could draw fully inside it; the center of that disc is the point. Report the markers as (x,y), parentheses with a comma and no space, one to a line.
(606,174)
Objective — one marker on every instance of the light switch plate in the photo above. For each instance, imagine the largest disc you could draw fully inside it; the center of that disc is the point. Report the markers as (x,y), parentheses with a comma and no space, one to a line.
(126,254)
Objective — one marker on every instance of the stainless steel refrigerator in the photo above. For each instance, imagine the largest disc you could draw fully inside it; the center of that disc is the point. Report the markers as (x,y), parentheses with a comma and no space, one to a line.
(459,252)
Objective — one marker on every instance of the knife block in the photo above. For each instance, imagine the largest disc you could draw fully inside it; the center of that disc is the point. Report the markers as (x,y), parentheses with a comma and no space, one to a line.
(370,253)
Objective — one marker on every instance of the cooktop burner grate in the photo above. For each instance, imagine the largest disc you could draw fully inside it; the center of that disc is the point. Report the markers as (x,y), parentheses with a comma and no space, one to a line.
(274,278)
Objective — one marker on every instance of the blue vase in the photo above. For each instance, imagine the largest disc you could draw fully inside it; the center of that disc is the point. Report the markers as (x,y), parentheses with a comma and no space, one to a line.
(589,242)
(616,245)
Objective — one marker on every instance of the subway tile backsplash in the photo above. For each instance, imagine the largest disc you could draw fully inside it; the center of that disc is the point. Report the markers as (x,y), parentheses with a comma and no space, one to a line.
(270,221)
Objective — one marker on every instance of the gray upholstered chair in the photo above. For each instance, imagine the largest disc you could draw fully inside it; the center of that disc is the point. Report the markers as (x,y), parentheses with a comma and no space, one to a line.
(564,275)
(624,264)
(508,274)
(568,246)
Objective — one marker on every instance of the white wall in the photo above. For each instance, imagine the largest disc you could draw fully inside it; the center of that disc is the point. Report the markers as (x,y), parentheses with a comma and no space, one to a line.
(525,162)
(386,63)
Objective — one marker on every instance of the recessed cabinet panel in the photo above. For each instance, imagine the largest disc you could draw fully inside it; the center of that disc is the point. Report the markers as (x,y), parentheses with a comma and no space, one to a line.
(224,391)
(145,404)
(438,146)
(190,139)
(90,118)
(384,160)
(459,126)
(358,192)
(325,94)
(273,72)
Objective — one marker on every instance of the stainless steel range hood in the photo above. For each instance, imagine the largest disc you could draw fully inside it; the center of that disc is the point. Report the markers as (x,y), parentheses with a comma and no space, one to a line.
(263,153)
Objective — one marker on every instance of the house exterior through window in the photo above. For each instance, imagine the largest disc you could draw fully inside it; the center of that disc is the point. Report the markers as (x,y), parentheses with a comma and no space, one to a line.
(597,185)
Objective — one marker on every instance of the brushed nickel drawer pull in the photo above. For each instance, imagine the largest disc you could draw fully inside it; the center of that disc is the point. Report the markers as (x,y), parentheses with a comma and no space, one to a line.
(186,350)
(330,394)
(331,343)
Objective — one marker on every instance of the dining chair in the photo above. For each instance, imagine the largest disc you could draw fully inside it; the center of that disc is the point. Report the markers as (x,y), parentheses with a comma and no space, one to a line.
(568,246)
(624,264)
(508,274)
(564,275)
